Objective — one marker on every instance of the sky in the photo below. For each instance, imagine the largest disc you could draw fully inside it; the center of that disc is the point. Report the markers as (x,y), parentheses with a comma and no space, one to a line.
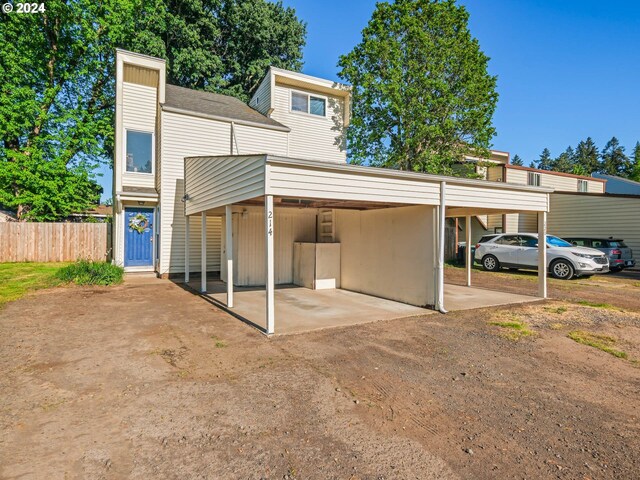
(566,69)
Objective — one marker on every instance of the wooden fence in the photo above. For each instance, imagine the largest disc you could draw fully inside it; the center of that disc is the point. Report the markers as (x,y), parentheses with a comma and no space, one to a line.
(53,242)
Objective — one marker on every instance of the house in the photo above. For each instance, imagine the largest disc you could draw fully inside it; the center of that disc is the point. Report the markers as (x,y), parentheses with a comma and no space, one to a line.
(7,216)
(99,214)
(262,195)
(619,185)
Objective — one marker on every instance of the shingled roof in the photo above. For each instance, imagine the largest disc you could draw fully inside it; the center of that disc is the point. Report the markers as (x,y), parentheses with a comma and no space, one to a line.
(214,104)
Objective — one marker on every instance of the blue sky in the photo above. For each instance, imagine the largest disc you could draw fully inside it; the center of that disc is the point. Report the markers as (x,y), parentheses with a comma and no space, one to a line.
(566,69)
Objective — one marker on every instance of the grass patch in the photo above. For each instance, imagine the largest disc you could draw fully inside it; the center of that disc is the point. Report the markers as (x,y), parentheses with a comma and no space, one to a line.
(18,279)
(85,272)
(606,306)
(605,343)
(558,310)
(219,343)
(514,329)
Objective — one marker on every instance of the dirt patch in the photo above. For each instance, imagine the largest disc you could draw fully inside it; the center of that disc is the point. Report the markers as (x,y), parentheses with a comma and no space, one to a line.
(146,380)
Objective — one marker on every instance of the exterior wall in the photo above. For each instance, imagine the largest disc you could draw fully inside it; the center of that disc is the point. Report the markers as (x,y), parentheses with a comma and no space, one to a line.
(311,137)
(261,100)
(495,174)
(558,182)
(601,216)
(388,252)
(521,223)
(622,186)
(290,225)
(250,140)
(481,196)
(138,113)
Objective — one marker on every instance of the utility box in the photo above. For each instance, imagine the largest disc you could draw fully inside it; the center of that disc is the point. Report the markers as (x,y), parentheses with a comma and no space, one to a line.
(316,265)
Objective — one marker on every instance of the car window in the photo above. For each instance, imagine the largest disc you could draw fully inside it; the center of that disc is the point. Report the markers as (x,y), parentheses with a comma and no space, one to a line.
(509,240)
(486,238)
(528,241)
(616,244)
(580,242)
(599,244)
(557,242)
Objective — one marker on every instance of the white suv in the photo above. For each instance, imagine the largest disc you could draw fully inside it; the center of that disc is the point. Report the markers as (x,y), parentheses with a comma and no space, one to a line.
(520,251)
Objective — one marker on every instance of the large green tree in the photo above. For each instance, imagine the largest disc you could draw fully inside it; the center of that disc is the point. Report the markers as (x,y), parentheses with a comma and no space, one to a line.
(634,168)
(57,81)
(422,96)
(565,162)
(587,157)
(614,160)
(517,160)
(545,162)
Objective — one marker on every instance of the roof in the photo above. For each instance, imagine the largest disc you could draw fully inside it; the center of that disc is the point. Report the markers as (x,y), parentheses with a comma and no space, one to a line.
(99,210)
(223,107)
(551,172)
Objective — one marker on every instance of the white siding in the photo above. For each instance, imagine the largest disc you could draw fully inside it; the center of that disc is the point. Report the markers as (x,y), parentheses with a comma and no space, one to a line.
(312,137)
(182,136)
(480,196)
(261,100)
(596,187)
(214,232)
(313,183)
(561,183)
(250,140)
(600,216)
(516,176)
(138,113)
(388,253)
(216,182)
(290,225)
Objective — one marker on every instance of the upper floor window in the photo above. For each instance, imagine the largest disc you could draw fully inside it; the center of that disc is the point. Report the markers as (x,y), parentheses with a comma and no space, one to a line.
(306,103)
(533,179)
(583,186)
(139,156)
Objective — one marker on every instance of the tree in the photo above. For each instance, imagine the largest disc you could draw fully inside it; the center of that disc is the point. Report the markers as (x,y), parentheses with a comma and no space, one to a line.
(586,157)
(545,162)
(57,81)
(614,161)
(565,162)
(422,97)
(516,160)
(634,170)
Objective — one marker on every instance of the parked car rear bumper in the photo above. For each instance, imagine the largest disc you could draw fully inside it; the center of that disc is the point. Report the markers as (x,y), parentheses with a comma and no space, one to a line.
(622,263)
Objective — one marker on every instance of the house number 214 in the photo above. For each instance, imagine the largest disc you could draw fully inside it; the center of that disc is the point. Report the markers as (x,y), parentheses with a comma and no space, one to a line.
(270,217)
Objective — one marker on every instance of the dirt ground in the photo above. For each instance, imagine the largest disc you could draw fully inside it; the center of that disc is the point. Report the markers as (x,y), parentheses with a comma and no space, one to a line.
(147,380)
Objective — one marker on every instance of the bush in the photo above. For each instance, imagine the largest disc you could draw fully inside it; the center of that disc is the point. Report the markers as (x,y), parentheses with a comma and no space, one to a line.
(85,272)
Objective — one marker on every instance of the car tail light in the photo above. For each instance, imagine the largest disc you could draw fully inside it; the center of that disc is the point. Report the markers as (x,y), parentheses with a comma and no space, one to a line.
(616,252)
(477,245)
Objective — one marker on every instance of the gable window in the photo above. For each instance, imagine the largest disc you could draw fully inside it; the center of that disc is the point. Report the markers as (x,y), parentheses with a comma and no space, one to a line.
(306,103)
(583,186)
(533,179)
(139,153)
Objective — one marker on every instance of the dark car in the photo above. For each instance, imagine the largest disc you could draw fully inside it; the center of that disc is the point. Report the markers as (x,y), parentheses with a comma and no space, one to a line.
(620,256)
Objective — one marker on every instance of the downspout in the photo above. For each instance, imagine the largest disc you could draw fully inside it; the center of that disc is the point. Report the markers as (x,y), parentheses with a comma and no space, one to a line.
(440,254)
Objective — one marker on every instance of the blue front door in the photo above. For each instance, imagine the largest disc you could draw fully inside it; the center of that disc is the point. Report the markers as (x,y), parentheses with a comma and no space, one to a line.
(138,237)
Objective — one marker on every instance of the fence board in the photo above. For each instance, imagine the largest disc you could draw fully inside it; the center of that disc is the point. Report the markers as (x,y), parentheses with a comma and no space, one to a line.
(53,242)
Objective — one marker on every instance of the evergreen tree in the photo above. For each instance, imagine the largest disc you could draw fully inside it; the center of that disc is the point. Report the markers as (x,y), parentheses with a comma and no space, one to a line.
(634,170)
(565,162)
(422,95)
(545,162)
(614,161)
(586,156)
(516,160)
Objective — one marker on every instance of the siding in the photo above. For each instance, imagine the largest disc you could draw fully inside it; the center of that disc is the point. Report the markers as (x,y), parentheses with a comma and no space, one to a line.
(312,137)
(558,182)
(602,216)
(521,222)
(182,136)
(495,174)
(498,198)
(216,182)
(290,225)
(388,253)
(261,100)
(214,245)
(251,140)
(138,113)
(312,183)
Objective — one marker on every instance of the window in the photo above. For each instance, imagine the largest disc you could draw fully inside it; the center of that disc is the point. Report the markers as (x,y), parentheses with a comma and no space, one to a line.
(527,241)
(509,240)
(580,242)
(305,103)
(534,179)
(139,156)
(583,186)
(557,242)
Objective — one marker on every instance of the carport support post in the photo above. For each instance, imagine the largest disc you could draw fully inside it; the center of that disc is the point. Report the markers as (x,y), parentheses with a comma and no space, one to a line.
(467,250)
(440,254)
(186,249)
(270,284)
(228,222)
(203,254)
(542,254)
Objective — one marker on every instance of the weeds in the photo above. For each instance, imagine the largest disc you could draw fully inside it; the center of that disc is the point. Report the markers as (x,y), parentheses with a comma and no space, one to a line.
(514,329)
(85,272)
(606,306)
(601,342)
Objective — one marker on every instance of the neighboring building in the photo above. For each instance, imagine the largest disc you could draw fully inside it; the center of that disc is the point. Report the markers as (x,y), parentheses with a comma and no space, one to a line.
(7,216)
(201,177)
(619,185)
(98,214)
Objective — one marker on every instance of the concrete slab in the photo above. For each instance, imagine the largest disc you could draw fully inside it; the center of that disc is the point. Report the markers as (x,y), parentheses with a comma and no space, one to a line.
(457,297)
(300,309)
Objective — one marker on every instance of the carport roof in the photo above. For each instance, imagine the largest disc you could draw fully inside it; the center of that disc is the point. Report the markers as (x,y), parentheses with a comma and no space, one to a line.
(215,181)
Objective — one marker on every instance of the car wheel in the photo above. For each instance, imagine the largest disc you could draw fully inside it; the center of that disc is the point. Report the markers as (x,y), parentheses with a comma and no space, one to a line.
(562,269)
(615,269)
(490,263)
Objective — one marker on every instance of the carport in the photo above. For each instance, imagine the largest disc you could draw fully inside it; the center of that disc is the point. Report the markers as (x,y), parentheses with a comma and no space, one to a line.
(388,226)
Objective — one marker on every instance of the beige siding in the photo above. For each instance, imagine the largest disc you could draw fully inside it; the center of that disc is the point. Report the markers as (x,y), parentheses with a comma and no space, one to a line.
(313,183)
(312,137)
(488,196)
(518,177)
(214,245)
(558,182)
(261,100)
(183,136)
(290,225)
(138,113)
(493,222)
(521,223)
(216,182)
(495,174)
(596,187)
(601,216)
(249,140)
(388,253)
